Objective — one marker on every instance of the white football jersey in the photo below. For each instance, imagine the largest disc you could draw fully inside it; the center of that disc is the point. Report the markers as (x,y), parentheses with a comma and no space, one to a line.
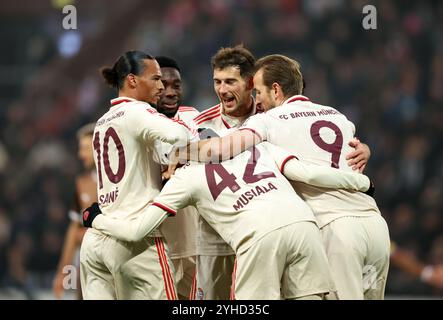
(209,242)
(242,199)
(128,177)
(180,231)
(318,135)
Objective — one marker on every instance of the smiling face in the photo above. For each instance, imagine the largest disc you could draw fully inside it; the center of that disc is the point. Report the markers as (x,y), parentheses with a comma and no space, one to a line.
(171,96)
(233,91)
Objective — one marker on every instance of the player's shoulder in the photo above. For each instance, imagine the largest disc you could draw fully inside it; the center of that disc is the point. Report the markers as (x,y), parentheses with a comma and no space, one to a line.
(186,113)
(140,106)
(208,114)
(187,109)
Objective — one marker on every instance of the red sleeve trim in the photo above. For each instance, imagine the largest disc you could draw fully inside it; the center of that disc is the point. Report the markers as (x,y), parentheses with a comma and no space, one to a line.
(203,120)
(253,131)
(208,112)
(282,167)
(186,108)
(162,206)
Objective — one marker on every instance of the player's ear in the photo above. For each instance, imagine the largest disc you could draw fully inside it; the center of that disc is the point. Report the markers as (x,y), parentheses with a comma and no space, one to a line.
(132,81)
(249,83)
(276,91)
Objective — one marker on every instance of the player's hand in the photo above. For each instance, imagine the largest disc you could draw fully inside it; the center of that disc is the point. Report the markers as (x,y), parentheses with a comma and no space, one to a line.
(169,172)
(89,214)
(360,156)
(57,286)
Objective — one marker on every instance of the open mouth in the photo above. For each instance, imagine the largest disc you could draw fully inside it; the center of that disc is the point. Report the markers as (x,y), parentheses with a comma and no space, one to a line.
(230,102)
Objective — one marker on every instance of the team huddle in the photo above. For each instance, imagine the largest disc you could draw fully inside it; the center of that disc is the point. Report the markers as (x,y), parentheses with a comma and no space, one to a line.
(259,197)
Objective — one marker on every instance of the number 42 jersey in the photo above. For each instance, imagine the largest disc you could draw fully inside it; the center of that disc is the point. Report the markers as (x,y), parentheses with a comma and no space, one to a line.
(242,199)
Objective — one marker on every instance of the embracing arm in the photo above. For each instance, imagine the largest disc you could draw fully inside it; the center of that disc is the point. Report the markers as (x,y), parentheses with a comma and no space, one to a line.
(127,230)
(325,177)
(219,149)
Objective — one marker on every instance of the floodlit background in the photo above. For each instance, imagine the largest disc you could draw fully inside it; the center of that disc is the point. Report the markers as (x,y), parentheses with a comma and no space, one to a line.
(388,81)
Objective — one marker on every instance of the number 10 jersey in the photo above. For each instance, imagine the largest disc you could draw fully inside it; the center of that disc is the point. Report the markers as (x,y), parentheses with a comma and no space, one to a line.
(124,138)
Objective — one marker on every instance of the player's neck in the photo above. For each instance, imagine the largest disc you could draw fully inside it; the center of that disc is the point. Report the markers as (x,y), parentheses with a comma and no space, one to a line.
(128,93)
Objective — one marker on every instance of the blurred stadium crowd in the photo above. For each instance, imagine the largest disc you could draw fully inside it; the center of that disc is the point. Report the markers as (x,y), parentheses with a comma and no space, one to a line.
(388,81)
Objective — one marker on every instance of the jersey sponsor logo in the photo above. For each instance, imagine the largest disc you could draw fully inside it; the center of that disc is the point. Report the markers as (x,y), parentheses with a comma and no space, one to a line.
(246,197)
(307,114)
(114,116)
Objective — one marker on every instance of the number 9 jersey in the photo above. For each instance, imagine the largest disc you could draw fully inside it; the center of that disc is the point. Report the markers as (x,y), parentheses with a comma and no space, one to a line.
(318,135)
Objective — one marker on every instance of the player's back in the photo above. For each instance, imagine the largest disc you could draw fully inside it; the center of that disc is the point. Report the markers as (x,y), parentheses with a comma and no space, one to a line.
(318,135)
(128,176)
(244,198)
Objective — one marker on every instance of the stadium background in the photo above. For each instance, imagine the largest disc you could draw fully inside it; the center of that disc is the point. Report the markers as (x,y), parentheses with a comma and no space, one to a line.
(388,81)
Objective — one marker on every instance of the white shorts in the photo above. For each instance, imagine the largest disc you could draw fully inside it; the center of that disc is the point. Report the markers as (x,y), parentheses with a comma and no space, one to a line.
(184,276)
(213,277)
(358,251)
(287,263)
(114,269)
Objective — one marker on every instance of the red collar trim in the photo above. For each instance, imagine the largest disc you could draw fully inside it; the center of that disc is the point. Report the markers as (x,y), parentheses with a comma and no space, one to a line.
(298,98)
(117,101)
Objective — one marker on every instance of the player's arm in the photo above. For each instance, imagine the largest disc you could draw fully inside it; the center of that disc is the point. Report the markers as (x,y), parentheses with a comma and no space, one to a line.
(360,156)
(407,262)
(325,177)
(127,230)
(219,149)
(173,196)
(153,126)
(67,257)
(70,245)
(319,176)
(251,133)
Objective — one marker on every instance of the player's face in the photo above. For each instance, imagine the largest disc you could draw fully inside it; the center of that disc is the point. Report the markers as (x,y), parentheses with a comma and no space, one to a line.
(263,96)
(171,96)
(85,151)
(233,91)
(149,84)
